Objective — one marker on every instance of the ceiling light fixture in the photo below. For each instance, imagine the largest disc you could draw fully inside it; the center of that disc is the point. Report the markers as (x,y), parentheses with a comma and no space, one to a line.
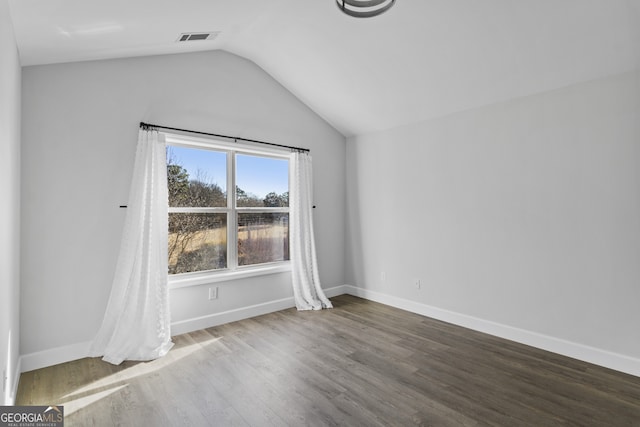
(364,8)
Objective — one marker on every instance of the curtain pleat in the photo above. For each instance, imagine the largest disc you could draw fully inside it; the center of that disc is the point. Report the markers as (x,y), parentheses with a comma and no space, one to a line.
(136,324)
(307,291)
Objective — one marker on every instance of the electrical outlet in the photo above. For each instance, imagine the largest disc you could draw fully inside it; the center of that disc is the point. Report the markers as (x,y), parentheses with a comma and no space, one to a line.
(213,293)
(417,283)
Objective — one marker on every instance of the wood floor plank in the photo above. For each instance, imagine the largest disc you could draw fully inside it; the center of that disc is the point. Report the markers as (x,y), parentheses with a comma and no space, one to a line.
(359,364)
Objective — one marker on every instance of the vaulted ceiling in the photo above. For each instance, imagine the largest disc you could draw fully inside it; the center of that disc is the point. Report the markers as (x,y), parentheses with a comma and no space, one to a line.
(420,60)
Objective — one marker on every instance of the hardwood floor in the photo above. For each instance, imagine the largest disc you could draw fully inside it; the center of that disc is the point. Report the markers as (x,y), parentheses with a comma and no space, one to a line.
(360,364)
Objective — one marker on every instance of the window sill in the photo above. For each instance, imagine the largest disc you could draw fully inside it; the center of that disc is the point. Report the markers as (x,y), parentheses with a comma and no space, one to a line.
(195,279)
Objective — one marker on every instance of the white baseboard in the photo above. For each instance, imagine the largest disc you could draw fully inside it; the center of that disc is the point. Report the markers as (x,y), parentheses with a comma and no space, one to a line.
(337,290)
(215,319)
(618,362)
(54,356)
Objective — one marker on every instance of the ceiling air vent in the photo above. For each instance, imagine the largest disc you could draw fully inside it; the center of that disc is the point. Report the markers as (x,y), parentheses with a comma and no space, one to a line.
(208,35)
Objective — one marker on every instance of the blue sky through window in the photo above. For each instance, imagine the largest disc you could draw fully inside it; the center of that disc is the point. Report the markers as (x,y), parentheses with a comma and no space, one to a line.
(256,175)
(262,175)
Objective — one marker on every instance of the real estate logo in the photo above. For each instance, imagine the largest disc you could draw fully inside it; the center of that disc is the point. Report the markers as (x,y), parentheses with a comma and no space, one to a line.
(31,416)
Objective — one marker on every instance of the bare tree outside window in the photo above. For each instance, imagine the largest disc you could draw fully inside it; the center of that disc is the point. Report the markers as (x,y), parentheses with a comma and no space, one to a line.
(197,240)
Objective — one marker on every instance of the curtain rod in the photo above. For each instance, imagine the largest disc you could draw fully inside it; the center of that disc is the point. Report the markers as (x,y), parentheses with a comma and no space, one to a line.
(144,125)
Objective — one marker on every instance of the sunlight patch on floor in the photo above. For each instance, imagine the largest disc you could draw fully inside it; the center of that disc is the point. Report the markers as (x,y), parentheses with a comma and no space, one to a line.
(142,368)
(75,405)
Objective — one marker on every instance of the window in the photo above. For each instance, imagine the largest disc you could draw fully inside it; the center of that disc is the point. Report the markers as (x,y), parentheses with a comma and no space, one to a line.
(228,207)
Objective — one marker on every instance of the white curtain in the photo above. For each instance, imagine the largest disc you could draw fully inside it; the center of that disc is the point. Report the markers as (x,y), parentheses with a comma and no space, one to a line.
(307,292)
(136,325)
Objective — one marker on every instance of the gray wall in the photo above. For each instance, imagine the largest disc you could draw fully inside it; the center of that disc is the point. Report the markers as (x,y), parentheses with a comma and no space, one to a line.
(10,206)
(524,213)
(80,124)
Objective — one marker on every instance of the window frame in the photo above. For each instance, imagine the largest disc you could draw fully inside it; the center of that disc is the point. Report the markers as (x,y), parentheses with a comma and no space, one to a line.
(233,270)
